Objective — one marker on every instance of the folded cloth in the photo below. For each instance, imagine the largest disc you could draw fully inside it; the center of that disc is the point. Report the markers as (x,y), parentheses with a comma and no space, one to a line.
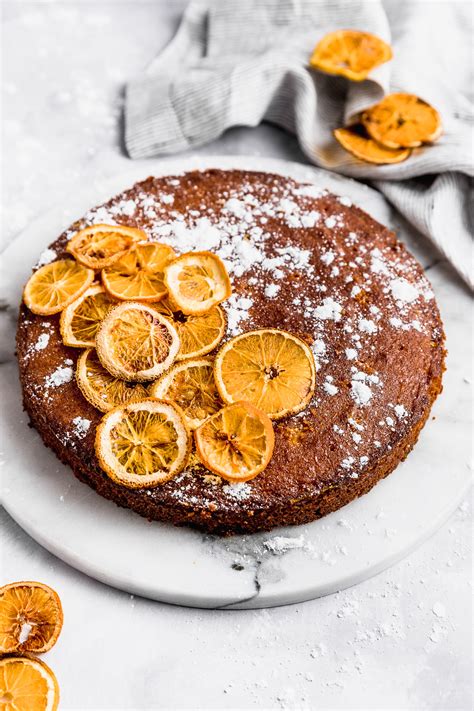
(239,63)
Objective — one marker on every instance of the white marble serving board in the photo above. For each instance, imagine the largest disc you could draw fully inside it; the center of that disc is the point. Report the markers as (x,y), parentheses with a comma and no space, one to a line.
(186,567)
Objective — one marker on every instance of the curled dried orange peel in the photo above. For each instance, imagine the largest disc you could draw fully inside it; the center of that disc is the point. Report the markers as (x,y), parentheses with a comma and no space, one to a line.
(356,141)
(350,53)
(99,246)
(143,444)
(27,684)
(31,617)
(402,121)
(237,442)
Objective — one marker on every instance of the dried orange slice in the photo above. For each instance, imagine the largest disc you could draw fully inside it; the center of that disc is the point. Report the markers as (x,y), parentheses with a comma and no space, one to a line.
(402,121)
(135,342)
(272,369)
(27,684)
(190,385)
(237,442)
(56,285)
(350,53)
(102,389)
(138,274)
(31,617)
(80,320)
(99,246)
(197,281)
(199,334)
(355,140)
(143,444)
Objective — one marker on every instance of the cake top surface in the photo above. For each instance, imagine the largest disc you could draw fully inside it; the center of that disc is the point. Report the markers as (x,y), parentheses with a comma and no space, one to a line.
(302,260)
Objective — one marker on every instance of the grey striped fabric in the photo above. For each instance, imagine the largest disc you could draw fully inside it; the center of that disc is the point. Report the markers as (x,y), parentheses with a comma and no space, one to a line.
(242,62)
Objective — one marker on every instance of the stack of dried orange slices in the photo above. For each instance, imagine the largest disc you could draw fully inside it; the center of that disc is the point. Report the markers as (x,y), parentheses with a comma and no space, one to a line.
(31,620)
(147,330)
(388,131)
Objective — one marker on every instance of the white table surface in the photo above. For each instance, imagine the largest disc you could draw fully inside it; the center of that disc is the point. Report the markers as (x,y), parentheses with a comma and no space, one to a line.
(401,640)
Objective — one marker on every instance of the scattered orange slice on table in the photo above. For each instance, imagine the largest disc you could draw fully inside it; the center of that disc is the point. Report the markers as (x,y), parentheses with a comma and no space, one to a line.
(272,369)
(27,684)
(31,617)
(135,342)
(237,442)
(190,385)
(350,53)
(100,246)
(103,390)
(196,282)
(355,140)
(199,334)
(138,274)
(54,286)
(80,320)
(402,121)
(143,444)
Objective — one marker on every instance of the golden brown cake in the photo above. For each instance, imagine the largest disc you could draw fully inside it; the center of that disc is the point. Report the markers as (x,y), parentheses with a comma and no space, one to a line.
(302,260)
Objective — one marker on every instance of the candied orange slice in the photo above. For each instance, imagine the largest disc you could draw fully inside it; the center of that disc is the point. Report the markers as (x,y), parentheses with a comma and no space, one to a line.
(199,334)
(356,141)
(402,121)
(350,53)
(102,389)
(135,342)
(80,320)
(272,369)
(143,444)
(196,282)
(31,617)
(138,274)
(190,385)
(56,285)
(100,246)
(27,684)
(237,442)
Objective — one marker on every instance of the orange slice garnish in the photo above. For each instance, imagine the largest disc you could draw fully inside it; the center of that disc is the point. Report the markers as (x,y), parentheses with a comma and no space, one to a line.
(199,334)
(102,389)
(402,121)
(143,444)
(31,617)
(135,342)
(196,282)
(100,246)
(356,141)
(56,285)
(350,53)
(272,369)
(190,385)
(237,442)
(80,320)
(138,274)
(27,684)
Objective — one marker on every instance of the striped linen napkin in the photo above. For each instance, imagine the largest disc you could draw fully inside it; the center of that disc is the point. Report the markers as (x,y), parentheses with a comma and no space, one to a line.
(239,63)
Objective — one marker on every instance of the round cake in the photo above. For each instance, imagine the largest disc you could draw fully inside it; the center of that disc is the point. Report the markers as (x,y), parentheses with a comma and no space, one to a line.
(302,260)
